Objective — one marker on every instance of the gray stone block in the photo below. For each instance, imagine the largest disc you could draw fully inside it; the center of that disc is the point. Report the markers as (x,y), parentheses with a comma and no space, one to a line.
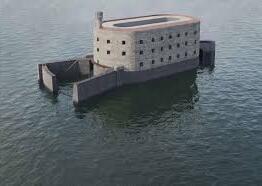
(49,80)
(207,53)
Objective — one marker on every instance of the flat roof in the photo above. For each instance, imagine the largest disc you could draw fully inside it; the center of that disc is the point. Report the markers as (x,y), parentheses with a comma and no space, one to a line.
(148,22)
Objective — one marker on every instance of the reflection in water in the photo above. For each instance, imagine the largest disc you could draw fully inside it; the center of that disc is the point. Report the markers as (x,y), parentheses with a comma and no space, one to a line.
(145,134)
(151,100)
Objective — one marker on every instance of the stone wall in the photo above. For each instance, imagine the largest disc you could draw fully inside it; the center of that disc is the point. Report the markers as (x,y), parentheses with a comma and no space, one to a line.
(130,77)
(48,79)
(70,69)
(207,53)
(50,74)
(101,69)
(88,88)
(169,45)
(115,47)
(93,86)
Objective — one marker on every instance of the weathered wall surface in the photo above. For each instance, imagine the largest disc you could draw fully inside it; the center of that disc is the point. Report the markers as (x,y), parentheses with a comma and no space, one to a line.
(130,77)
(70,69)
(115,47)
(94,86)
(84,66)
(100,69)
(83,90)
(169,45)
(207,53)
(49,79)
(50,73)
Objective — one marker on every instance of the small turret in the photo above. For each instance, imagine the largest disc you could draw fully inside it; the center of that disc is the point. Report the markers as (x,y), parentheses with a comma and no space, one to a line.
(99,19)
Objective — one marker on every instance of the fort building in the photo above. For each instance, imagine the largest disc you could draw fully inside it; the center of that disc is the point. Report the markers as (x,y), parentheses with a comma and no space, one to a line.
(131,50)
(146,42)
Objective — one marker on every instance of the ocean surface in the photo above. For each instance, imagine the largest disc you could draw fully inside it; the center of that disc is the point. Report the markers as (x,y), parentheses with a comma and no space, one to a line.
(202,127)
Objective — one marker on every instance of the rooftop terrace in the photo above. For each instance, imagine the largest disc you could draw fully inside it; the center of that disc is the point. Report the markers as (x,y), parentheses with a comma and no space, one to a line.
(148,22)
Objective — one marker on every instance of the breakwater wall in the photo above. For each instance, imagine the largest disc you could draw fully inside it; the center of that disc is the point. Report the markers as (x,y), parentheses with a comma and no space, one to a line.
(83,90)
(47,78)
(49,74)
(207,53)
(107,78)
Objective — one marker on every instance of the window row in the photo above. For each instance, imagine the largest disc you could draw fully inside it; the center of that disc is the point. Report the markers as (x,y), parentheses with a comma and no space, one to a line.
(169,37)
(108,52)
(153,39)
(178,45)
(141,42)
(169,59)
(141,52)
(109,41)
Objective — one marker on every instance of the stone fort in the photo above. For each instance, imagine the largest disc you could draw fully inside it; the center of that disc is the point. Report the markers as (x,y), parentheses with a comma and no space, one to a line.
(146,42)
(131,50)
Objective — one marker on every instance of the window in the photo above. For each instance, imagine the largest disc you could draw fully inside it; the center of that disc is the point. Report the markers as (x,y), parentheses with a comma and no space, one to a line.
(153,62)
(178,35)
(170,58)
(153,39)
(162,48)
(153,50)
(161,38)
(123,53)
(186,43)
(123,42)
(195,32)
(108,52)
(162,59)
(108,41)
(178,45)
(195,41)
(186,33)
(194,51)
(97,39)
(97,49)
(141,64)
(170,36)
(185,54)
(141,41)
(141,52)
(178,56)
(170,47)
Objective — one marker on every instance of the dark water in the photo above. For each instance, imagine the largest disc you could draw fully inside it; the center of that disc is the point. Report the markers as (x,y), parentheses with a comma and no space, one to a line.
(200,128)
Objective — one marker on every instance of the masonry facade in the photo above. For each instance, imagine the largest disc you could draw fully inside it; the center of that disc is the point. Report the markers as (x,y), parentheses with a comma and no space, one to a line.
(144,43)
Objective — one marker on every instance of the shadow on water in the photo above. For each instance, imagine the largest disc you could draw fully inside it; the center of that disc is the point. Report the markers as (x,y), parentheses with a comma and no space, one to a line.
(178,93)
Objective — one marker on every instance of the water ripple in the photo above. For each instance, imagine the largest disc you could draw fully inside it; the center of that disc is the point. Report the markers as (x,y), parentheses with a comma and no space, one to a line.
(202,127)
